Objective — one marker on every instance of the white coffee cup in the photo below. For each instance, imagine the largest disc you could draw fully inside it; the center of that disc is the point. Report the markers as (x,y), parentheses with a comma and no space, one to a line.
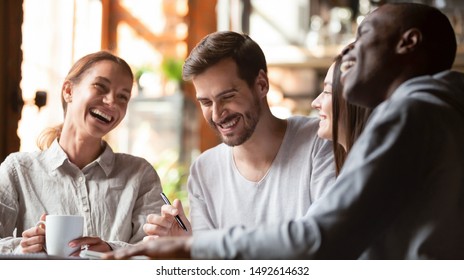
(59,231)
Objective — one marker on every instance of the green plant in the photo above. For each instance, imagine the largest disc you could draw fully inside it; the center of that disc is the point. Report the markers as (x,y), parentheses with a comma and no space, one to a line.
(139,71)
(172,69)
(173,176)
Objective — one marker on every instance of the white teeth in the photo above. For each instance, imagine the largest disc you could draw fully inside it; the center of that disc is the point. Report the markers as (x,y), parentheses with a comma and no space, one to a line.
(229,124)
(346,65)
(101,114)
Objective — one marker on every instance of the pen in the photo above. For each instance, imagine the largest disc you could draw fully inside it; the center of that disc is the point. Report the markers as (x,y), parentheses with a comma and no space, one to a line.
(179,221)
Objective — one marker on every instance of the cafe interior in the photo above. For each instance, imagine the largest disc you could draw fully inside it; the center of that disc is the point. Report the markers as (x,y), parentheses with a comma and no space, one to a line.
(40,40)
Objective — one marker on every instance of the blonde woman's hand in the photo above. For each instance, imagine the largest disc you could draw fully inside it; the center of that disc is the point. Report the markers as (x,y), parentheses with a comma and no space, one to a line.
(91,243)
(33,240)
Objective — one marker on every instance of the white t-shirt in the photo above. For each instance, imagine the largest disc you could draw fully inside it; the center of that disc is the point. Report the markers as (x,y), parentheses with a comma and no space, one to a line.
(221,197)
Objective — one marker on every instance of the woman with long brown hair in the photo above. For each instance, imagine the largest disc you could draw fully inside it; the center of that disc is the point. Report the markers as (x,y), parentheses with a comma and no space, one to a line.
(341,121)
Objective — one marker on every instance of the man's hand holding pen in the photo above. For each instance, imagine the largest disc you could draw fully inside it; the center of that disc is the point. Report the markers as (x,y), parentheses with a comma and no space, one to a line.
(166,223)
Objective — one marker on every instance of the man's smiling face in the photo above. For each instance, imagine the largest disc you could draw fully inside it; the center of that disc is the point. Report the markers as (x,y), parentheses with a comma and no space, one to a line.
(370,64)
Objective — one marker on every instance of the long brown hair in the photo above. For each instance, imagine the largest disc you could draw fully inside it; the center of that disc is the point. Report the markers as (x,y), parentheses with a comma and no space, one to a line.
(352,117)
(48,135)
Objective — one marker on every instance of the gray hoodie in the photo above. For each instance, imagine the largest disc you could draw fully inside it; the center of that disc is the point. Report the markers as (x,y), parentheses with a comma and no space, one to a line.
(400,194)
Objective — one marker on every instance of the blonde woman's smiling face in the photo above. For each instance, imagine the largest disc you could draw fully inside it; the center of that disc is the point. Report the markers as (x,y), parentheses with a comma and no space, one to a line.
(99,100)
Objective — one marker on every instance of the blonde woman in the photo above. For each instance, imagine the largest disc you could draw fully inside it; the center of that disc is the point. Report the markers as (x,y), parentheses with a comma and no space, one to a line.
(77,173)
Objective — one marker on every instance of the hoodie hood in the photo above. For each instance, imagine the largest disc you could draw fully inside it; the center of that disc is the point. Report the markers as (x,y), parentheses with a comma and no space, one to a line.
(446,85)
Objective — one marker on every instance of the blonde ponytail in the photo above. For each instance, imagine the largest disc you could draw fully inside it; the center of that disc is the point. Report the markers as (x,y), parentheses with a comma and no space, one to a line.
(47,136)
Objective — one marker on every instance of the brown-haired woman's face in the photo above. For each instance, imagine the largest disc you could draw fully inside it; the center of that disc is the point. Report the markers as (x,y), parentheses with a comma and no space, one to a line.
(323,103)
(98,103)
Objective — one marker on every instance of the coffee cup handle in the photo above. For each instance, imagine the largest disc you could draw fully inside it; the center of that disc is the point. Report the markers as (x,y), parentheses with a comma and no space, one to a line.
(42,225)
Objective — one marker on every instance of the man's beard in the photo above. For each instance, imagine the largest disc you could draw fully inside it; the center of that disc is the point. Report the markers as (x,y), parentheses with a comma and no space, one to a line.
(250,120)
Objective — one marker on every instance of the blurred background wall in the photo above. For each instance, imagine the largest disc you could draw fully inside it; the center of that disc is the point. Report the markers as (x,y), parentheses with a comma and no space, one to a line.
(40,40)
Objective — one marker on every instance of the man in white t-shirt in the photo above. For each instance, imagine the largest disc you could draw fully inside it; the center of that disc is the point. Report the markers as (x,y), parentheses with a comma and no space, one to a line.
(267,170)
